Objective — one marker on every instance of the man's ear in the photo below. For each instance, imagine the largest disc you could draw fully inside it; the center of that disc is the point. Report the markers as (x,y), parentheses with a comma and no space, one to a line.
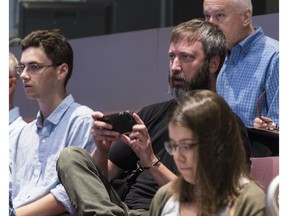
(62,71)
(214,65)
(12,84)
(246,17)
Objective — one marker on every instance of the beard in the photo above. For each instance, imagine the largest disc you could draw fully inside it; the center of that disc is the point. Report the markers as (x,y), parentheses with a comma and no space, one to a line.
(200,81)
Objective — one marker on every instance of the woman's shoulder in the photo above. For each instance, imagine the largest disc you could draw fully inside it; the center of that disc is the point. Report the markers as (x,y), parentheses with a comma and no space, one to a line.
(160,198)
(164,192)
(251,200)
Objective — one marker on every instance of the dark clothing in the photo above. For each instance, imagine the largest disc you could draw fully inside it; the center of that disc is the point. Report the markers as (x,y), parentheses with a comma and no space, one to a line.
(246,140)
(89,191)
(155,119)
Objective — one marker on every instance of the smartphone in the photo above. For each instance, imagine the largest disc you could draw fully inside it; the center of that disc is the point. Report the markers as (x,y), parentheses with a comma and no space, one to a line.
(122,122)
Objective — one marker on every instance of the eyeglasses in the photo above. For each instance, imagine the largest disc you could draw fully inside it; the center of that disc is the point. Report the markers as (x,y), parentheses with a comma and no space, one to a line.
(258,104)
(183,148)
(31,68)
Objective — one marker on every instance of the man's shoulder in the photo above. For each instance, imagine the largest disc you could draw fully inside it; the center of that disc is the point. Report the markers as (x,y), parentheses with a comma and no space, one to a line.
(269,43)
(272,45)
(156,110)
(79,109)
(159,105)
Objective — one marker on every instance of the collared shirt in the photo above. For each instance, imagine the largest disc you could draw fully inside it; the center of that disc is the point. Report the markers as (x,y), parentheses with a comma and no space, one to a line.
(251,68)
(16,122)
(35,154)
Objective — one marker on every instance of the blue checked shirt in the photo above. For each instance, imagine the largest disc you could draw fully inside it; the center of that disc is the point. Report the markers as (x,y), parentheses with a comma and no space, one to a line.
(35,153)
(251,68)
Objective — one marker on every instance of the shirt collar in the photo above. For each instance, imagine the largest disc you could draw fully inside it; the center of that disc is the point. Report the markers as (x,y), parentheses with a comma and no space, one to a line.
(250,41)
(56,115)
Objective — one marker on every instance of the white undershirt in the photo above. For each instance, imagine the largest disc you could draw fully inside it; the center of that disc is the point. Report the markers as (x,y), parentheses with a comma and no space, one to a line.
(172,206)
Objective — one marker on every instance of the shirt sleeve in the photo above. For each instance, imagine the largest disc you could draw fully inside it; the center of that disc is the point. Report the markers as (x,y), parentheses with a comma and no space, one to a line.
(272,89)
(79,135)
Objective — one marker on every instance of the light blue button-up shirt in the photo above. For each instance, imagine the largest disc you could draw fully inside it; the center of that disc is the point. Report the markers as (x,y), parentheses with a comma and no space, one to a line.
(16,122)
(35,153)
(251,68)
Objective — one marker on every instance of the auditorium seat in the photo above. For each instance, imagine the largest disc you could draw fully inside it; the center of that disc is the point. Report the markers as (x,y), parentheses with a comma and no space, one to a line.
(264,169)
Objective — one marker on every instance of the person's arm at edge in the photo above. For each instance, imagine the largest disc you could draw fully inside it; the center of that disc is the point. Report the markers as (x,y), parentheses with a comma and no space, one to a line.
(47,205)
(272,89)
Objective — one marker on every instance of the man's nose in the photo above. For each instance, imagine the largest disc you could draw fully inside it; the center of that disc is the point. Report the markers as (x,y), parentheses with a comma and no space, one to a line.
(24,73)
(175,64)
(211,19)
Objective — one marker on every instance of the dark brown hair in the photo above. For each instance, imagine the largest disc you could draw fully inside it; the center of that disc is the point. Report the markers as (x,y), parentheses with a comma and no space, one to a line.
(55,46)
(221,162)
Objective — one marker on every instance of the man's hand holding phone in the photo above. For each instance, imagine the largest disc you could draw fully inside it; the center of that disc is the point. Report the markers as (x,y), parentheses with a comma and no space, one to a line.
(102,133)
(121,122)
(107,128)
(137,138)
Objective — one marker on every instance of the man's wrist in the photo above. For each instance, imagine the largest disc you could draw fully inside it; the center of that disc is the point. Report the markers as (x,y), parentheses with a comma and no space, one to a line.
(142,168)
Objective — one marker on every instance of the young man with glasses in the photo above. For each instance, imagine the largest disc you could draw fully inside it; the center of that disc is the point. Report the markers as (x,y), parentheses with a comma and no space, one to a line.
(45,68)
(197,51)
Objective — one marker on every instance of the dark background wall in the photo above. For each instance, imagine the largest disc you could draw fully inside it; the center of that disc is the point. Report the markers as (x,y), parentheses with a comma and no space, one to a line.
(96,17)
(123,70)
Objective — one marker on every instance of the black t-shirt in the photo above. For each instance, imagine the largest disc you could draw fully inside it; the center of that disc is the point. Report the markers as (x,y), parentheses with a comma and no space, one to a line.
(155,117)
(145,187)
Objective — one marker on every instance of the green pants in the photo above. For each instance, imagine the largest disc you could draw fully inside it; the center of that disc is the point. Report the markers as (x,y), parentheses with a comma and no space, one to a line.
(89,191)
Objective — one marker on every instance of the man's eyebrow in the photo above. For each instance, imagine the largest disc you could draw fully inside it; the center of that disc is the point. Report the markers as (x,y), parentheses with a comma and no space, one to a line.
(187,140)
(214,11)
(29,63)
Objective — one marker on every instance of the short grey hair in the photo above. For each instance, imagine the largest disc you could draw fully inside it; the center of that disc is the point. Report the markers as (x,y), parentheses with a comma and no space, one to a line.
(242,5)
(13,62)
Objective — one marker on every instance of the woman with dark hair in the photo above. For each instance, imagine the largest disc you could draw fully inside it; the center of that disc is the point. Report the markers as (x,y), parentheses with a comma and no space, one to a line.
(214,179)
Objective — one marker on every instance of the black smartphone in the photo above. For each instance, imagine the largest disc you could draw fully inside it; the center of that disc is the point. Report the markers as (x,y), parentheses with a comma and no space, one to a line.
(122,122)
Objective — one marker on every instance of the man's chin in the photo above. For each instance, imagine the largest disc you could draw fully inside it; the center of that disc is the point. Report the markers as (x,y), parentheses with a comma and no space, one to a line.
(30,97)
(178,93)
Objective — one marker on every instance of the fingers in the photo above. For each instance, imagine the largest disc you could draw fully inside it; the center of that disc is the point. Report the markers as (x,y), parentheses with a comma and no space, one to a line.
(139,131)
(98,124)
(257,121)
(264,123)
(266,119)
(96,115)
(139,138)
(101,131)
(100,134)
(138,119)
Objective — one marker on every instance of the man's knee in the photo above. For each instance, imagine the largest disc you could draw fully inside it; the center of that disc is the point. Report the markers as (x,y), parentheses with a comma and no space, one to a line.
(67,156)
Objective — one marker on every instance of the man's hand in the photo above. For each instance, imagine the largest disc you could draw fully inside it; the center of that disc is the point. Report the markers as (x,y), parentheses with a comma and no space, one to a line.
(265,123)
(139,140)
(102,133)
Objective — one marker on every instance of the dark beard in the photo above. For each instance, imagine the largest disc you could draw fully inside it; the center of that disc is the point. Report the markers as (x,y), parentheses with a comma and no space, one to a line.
(200,81)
